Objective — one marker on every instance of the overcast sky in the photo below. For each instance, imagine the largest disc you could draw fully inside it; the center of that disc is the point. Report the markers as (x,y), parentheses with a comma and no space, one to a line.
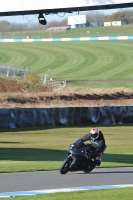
(59,17)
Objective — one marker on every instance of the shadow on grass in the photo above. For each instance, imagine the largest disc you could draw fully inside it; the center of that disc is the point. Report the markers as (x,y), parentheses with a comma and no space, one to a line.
(118,158)
(31,154)
(4,142)
(57,127)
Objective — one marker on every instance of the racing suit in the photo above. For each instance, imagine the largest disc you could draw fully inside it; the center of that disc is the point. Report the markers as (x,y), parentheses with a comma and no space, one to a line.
(97,146)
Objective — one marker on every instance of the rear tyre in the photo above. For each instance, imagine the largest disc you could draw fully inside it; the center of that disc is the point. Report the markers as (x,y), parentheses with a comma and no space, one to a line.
(65,165)
(89,168)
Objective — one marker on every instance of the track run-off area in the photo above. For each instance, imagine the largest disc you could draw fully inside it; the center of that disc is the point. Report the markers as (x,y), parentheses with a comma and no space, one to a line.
(75,60)
(44,182)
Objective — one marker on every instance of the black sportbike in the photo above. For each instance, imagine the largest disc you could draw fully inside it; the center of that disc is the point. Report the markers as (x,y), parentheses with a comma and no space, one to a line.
(78,159)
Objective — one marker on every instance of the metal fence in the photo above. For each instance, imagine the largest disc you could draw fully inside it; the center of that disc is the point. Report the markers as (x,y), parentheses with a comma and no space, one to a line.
(9,70)
(53,83)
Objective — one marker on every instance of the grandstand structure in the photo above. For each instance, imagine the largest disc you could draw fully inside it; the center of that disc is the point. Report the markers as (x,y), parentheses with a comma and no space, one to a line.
(41,7)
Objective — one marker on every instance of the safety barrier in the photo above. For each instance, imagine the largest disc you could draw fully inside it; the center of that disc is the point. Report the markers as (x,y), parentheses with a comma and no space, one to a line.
(69,116)
(70,39)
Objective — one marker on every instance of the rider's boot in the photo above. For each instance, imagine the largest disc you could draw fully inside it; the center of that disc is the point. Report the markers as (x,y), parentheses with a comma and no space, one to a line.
(98,159)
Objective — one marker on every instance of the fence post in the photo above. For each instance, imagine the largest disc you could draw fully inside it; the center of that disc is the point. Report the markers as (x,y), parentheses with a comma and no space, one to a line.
(45,77)
(28,70)
(7,74)
(65,82)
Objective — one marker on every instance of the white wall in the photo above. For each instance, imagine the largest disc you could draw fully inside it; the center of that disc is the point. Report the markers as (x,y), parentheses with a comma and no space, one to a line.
(107,23)
(73,26)
(116,23)
(76,19)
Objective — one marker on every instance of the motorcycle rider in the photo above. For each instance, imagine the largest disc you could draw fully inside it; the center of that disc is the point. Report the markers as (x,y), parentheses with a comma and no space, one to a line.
(97,145)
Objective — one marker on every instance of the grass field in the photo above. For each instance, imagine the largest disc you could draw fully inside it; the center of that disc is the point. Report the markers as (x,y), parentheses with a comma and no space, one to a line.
(76,61)
(125,30)
(45,149)
(112,194)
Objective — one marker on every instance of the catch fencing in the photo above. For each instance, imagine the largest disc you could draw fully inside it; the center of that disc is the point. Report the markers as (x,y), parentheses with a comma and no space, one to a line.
(53,83)
(8,70)
(12,71)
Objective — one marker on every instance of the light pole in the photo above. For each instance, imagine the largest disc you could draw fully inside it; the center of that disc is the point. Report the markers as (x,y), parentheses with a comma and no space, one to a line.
(45,77)
(49,70)
(65,82)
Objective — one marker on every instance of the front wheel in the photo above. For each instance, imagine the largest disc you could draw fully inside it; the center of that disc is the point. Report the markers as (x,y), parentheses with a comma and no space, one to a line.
(65,165)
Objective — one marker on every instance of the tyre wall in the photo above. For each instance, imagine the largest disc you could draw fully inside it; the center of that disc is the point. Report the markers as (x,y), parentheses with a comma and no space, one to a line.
(70,116)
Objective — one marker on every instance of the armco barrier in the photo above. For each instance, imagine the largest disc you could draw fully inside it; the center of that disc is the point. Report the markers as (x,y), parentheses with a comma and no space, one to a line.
(70,39)
(70,116)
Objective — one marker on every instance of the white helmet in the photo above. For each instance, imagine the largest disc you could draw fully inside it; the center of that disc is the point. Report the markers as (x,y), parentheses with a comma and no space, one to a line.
(94,133)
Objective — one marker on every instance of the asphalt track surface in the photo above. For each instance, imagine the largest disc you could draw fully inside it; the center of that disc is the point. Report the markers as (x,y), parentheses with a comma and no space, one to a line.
(24,181)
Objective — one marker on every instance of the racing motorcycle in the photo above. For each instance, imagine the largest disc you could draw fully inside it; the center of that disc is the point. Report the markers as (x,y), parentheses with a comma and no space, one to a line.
(78,159)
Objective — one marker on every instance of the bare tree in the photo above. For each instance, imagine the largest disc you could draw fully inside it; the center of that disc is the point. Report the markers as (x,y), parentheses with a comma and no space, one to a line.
(122,14)
(129,14)
(4,26)
(92,16)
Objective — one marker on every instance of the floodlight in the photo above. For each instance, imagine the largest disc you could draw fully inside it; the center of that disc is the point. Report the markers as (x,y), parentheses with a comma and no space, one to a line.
(42,19)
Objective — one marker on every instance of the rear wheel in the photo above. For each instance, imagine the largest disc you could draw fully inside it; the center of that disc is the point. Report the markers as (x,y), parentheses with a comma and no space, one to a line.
(65,165)
(89,168)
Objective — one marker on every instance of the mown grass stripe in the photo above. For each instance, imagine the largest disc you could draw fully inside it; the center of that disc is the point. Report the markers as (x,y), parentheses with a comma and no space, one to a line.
(73,60)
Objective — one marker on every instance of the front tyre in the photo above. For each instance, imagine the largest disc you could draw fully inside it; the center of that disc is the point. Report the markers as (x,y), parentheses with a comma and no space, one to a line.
(65,165)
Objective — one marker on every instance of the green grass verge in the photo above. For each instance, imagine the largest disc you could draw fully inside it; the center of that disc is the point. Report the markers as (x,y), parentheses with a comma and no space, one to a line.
(78,32)
(76,61)
(112,194)
(45,149)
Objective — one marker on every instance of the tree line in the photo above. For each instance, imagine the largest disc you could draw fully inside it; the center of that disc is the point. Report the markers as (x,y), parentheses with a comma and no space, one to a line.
(123,14)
